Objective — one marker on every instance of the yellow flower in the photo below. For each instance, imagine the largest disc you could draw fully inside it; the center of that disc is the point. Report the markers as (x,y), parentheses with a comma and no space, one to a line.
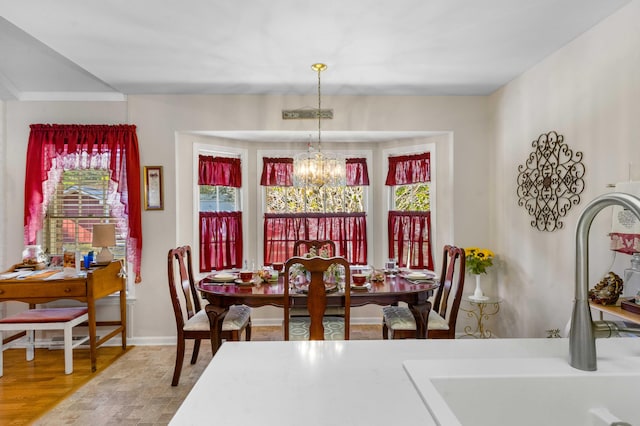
(478,259)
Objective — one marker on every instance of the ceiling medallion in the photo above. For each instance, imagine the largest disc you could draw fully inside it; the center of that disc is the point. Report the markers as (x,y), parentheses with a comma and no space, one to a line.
(550,182)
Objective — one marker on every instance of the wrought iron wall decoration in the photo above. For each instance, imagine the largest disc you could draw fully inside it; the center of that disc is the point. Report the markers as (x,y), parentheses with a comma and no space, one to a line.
(550,182)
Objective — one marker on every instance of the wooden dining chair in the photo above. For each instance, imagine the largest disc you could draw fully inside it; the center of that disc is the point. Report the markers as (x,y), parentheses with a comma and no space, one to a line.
(192,321)
(317,326)
(441,323)
(302,247)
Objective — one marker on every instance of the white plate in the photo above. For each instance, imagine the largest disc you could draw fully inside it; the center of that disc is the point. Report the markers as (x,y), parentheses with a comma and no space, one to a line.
(223,278)
(420,275)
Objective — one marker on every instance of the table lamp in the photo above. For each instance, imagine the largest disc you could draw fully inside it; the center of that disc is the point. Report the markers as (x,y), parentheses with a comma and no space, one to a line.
(104,235)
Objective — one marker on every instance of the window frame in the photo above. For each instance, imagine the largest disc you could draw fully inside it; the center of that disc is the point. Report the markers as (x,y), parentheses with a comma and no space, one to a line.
(390,190)
(242,197)
(367,197)
(121,243)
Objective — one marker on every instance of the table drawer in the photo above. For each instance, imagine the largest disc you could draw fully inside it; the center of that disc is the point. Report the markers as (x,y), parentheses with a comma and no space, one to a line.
(39,290)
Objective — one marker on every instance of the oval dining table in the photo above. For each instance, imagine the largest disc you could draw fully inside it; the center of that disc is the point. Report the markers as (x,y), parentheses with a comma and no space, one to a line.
(392,290)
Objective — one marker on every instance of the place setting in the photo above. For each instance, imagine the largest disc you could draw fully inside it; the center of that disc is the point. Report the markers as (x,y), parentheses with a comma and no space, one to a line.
(418,276)
(359,282)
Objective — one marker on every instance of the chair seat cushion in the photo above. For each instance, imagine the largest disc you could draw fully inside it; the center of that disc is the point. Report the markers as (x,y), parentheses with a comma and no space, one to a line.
(236,319)
(299,328)
(401,318)
(45,315)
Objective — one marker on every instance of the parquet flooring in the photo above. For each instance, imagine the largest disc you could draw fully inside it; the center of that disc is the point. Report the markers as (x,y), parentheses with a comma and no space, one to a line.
(134,390)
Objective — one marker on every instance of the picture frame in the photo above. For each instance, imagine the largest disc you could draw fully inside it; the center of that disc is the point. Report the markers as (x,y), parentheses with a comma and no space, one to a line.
(153,188)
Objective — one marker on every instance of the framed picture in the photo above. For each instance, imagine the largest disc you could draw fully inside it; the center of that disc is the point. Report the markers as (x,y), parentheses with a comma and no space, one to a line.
(153,188)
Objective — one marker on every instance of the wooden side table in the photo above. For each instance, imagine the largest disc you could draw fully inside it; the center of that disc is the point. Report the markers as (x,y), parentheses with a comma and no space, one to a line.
(480,310)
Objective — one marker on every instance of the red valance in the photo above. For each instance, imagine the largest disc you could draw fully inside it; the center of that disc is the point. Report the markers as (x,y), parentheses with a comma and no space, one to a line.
(69,146)
(357,172)
(277,172)
(223,171)
(407,169)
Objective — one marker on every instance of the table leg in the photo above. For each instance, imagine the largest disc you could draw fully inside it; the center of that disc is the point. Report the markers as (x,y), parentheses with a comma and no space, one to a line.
(421,314)
(123,317)
(91,308)
(216,316)
(480,314)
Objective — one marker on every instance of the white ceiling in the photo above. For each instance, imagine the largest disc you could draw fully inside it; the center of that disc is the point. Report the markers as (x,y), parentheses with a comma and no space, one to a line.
(89,49)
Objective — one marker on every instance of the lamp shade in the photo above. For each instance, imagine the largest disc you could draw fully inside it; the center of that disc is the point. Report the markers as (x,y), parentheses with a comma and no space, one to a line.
(104,235)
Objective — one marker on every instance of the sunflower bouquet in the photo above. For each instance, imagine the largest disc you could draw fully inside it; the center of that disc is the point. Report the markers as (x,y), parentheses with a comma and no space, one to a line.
(478,259)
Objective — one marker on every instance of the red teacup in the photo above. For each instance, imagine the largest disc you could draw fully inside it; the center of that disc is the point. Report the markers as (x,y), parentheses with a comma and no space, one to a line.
(278,266)
(359,279)
(246,276)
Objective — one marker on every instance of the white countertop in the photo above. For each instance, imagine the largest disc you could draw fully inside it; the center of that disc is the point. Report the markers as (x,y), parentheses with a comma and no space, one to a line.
(359,382)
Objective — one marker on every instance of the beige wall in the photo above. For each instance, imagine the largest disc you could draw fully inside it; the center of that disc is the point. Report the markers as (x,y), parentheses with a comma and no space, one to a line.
(589,91)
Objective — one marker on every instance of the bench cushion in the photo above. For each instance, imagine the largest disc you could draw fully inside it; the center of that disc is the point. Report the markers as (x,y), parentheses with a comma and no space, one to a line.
(44,315)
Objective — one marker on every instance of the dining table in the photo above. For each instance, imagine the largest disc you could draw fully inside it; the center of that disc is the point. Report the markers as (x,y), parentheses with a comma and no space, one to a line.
(393,289)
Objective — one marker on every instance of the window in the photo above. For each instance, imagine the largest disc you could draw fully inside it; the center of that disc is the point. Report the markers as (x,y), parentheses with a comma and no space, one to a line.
(288,199)
(221,244)
(409,222)
(81,199)
(326,213)
(55,149)
(215,198)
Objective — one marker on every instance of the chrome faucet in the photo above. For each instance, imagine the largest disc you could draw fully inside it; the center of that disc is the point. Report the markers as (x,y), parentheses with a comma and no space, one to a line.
(584,331)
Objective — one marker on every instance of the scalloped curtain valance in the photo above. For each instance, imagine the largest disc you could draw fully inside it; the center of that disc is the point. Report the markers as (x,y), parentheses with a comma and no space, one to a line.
(73,146)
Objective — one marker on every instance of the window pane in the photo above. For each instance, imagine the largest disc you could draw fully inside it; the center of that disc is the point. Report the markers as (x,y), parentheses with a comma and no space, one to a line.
(414,197)
(347,199)
(218,198)
(79,202)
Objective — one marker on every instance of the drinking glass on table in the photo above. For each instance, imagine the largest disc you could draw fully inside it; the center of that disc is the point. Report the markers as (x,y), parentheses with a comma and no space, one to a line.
(390,266)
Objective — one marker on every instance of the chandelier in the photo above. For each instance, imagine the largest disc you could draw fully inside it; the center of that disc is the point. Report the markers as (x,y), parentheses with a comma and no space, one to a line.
(316,168)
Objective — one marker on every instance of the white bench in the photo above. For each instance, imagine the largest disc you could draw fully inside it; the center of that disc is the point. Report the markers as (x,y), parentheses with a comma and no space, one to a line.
(46,319)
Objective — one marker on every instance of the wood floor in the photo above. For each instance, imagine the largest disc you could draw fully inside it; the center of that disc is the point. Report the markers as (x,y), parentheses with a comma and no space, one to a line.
(30,388)
(134,390)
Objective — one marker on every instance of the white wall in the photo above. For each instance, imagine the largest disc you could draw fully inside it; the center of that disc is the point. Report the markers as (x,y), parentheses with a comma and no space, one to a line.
(588,91)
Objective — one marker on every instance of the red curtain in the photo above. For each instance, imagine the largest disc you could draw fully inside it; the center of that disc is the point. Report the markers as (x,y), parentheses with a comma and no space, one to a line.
(347,230)
(52,145)
(410,239)
(408,169)
(223,171)
(357,172)
(220,240)
(277,172)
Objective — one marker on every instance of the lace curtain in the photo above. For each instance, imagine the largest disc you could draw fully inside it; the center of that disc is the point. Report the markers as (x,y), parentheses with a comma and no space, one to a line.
(55,147)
